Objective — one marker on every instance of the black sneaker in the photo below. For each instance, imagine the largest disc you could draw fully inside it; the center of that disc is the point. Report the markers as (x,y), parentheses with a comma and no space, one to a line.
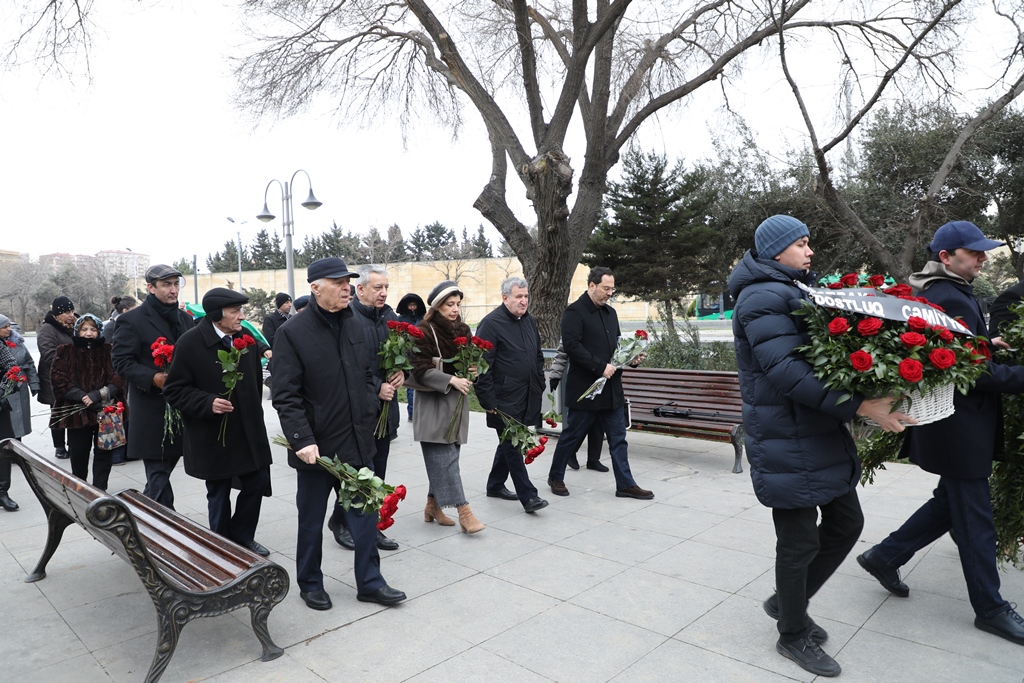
(771,608)
(809,655)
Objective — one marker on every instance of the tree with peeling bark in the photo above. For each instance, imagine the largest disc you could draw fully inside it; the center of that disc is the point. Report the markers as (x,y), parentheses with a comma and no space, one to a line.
(540,75)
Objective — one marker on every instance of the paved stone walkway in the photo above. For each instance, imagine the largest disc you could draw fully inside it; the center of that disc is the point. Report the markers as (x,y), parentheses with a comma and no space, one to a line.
(593,588)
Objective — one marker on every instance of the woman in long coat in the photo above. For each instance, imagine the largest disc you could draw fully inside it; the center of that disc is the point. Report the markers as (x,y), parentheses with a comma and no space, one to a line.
(6,363)
(21,404)
(438,392)
(82,374)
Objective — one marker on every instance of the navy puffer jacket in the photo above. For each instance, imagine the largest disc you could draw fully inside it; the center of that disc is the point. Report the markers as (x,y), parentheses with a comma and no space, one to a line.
(800,452)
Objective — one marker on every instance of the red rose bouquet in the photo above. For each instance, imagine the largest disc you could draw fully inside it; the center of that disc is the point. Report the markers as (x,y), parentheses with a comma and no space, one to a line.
(626,353)
(163,353)
(394,357)
(524,439)
(360,489)
(12,381)
(229,362)
(854,349)
(469,363)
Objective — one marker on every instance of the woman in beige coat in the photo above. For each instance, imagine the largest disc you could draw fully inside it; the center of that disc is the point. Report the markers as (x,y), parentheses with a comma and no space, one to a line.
(437,393)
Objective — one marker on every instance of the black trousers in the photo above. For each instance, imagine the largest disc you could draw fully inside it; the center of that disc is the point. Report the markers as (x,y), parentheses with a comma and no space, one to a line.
(508,462)
(57,435)
(158,479)
(82,442)
(595,441)
(313,490)
(380,468)
(808,553)
(239,527)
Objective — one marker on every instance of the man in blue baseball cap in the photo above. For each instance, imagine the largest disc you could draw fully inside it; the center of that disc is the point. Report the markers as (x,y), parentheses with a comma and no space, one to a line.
(959,448)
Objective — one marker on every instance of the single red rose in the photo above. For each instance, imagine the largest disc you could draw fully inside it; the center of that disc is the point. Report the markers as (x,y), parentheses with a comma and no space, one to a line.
(912,339)
(483,344)
(529,460)
(838,326)
(917,324)
(159,342)
(248,339)
(869,327)
(911,370)
(401,492)
(836,285)
(543,440)
(899,290)
(943,359)
(984,350)
(414,331)
(876,280)
(641,334)
(944,333)
(11,344)
(384,524)
(239,344)
(861,360)
(392,324)
(461,341)
(850,280)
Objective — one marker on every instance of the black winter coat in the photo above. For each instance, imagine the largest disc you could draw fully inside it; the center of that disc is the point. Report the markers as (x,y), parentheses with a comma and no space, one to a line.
(323,387)
(271,324)
(964,444)
(515,382)
(136,330)
(999,312)
(374,322)
(83,368)
(194,381)
(801,454)
(590,335)
(51,335)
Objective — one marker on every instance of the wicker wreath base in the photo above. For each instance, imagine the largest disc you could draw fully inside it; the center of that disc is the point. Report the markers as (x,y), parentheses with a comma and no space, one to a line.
(936,405)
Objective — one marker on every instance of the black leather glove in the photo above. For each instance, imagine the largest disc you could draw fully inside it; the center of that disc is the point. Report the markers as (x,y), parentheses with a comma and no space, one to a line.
(553,383)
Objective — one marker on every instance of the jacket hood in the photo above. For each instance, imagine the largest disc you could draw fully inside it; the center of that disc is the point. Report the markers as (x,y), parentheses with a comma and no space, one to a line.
(403,305)
(934,270)
(751,269)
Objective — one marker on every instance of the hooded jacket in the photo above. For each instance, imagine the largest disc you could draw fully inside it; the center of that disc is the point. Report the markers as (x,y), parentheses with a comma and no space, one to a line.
(406,315)
(800,452)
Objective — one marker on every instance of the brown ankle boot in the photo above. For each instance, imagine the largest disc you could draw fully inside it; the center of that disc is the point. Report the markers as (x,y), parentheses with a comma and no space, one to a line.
(432,513)
(468,522)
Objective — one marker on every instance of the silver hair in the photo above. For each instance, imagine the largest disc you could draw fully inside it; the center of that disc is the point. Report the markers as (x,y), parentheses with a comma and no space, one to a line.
(515,281)
(319,282)
(366,270)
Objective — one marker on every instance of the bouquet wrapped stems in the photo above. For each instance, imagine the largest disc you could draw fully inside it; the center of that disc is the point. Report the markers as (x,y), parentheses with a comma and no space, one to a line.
(627,352)
(469,363)
(394,357)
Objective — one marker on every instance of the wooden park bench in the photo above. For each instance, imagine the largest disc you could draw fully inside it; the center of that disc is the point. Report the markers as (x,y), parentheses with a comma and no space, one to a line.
(188,570)
(697,404)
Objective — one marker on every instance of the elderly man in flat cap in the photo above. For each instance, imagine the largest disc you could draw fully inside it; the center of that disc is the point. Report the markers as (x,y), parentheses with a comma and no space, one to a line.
(159,315)
(324,393)
(224,434)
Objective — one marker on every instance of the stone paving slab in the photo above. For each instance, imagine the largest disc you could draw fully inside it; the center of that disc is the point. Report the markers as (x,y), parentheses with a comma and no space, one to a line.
(592,588)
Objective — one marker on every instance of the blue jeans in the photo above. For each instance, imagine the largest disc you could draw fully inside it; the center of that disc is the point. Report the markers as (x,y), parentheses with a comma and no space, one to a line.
(965,506)
(410,395)
(577,424)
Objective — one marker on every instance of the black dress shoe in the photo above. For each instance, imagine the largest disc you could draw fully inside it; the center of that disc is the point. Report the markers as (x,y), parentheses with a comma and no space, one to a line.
(342,535)
(385,595)
(6,503)
(1009,625)
(887,576)
(573,463)
(771,608)
(258,548)
(535,504)
(558,487)
(316,599)
(61,454)
(634,492)
(502,493)
(596,466)
(809,655)
(384,543)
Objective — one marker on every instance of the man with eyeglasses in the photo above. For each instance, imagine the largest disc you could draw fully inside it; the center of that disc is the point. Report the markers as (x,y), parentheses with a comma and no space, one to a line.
(590,335)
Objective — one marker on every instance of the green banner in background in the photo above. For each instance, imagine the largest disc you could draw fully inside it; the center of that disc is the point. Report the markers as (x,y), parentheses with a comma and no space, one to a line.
(197,312)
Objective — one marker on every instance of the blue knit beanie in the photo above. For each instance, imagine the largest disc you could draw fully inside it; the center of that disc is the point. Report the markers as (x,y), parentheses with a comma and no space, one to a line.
(776,233)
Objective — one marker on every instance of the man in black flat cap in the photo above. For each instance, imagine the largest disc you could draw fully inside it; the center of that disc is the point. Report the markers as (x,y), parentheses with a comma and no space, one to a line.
(159,315)
(325,397)
(195,386)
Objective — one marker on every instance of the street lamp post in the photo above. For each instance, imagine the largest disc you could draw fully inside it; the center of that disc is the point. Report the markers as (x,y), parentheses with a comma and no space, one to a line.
(288,219)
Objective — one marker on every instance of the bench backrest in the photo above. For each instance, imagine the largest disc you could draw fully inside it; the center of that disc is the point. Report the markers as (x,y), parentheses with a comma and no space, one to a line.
(701,390)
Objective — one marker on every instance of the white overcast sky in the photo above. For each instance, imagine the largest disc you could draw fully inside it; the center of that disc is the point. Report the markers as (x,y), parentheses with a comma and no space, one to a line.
(152,155)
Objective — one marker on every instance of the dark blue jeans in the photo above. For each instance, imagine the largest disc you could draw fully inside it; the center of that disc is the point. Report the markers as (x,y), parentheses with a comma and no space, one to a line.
(577,424)
(965,506)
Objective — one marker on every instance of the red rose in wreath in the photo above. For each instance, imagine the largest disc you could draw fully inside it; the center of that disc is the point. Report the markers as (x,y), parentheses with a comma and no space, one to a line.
(917,324)
(839,326)
(912,339)
(911,370)
(869,327)
(943,359)
(861,360)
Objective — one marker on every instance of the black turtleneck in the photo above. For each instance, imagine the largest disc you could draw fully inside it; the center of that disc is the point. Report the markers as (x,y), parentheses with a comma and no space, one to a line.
(85,343)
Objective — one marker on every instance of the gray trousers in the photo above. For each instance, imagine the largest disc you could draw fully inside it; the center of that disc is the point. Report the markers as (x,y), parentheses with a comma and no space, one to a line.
(442,463)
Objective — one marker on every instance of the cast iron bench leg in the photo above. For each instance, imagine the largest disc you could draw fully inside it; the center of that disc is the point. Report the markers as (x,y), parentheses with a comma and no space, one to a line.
(57,522)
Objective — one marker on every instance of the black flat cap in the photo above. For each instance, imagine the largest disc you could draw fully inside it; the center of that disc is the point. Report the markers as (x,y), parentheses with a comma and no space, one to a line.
(221,297)
(161,271)
(301,302)
(330,267)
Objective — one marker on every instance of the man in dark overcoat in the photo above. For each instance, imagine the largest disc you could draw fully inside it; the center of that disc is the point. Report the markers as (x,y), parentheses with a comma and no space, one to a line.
(325,396)
(55,331)
(802,457)
(959,448)
(195,387)
(514,385)
(999,312)
(590,335)
(372,313)
(159,315)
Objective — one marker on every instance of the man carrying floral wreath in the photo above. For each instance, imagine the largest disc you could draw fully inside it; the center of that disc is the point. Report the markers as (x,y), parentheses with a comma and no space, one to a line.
(802,457)
(959,448)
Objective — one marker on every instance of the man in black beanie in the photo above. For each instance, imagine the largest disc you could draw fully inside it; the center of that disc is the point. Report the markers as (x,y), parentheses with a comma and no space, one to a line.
(159,315)
(242,451)
(283,304)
